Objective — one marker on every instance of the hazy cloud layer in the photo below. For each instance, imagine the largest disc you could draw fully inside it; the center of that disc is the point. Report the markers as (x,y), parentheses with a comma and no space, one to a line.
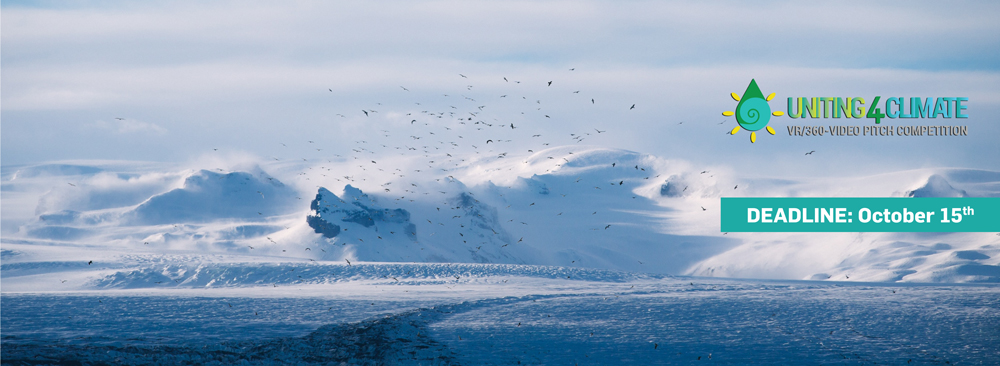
(249,76)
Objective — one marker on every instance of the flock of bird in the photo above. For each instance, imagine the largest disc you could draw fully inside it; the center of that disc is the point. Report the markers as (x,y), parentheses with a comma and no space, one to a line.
(436,136)
(433,138)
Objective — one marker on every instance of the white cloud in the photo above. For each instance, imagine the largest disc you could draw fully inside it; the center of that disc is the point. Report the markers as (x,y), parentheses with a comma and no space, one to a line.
(130,126)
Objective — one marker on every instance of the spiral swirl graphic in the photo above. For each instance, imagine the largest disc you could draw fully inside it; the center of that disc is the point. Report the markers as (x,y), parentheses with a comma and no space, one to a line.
(753,113)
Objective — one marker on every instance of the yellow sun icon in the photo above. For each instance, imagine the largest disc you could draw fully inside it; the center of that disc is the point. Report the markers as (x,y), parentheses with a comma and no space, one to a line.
(752,112)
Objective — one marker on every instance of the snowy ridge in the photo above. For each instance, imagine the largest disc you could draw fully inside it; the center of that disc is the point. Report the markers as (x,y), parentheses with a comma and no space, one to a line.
(567,206)
(936,186)
(207,196)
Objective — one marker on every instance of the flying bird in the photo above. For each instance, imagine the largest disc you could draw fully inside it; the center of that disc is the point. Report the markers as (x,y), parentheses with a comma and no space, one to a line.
(550,83)
(599,131)
(633,107)
(810,153)
(463,76)
(366,112)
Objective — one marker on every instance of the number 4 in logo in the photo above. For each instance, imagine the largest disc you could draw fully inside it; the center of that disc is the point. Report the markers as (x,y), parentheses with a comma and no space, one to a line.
(876,113)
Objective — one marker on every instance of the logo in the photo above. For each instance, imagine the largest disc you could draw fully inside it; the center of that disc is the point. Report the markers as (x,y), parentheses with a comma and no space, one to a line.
(752,112)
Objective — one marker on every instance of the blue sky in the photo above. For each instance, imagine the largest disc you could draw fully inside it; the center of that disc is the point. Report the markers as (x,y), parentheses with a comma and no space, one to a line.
(189,77)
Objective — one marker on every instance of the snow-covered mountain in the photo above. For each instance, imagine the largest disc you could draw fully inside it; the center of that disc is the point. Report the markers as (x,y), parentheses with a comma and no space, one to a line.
(570,206)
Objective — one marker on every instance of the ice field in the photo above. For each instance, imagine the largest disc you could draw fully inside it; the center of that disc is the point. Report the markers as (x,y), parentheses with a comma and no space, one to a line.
(501,314)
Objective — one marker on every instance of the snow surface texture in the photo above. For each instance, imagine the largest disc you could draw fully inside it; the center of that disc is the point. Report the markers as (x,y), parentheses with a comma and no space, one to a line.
(573,206)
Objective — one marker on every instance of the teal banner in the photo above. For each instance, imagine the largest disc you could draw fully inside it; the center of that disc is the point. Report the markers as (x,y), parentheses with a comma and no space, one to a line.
(783,214)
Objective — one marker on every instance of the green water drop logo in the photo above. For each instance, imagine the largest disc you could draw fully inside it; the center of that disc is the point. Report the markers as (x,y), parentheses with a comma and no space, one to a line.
(752,113)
